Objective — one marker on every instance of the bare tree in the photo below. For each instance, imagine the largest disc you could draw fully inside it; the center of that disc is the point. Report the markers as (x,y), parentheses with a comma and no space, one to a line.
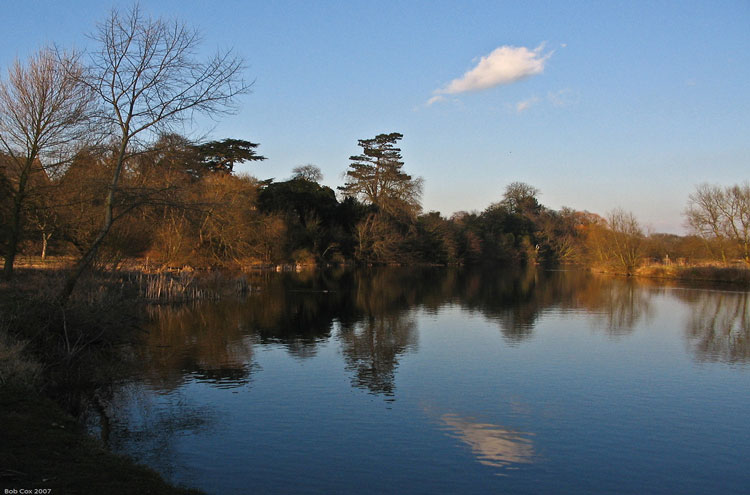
(307,172)
(43,217)
(737,212)
(619,242)
(378,240)
(704,216)
(148,79)
(43,112)
(521,198)
(625,240)
(721,214)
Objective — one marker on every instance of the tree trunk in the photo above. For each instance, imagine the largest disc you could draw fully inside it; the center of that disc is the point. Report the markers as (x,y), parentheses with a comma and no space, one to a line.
(10,255)
(15,237)
(45,241)
(16,221)
(90,254)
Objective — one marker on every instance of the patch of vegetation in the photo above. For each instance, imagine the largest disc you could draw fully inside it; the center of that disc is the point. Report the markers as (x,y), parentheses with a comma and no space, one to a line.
(736,275)
(53,357)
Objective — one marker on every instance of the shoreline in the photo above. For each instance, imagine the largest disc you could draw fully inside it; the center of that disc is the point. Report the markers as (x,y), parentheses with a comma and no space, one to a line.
(43,447)
(42,444)
(737,276)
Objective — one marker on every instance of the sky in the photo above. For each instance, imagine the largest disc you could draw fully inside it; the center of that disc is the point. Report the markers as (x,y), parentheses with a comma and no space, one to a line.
(599,105)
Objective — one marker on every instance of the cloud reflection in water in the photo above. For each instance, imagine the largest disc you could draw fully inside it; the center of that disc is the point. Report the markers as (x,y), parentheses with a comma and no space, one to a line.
(492,444)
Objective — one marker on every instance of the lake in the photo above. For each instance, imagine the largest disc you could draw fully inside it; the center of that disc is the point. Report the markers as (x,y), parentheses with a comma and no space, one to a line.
(435,380)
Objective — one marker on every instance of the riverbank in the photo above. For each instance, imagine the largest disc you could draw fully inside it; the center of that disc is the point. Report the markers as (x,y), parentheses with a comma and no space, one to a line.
(51,359)
(42,447)
(735,275)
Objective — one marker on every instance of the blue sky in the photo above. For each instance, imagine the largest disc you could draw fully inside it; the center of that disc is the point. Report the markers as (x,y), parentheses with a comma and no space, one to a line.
(597,104)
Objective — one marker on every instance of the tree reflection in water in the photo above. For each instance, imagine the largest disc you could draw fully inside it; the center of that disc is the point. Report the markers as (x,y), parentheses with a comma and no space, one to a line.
(383,327)
(204,342)
(517,299)
(372,347)
(152,425)
(509,297)
(373,315)
(719,325)
(617,305)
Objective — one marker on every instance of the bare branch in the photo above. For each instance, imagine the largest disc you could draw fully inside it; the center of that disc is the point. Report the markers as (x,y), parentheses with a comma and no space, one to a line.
(44,112)
(149,80)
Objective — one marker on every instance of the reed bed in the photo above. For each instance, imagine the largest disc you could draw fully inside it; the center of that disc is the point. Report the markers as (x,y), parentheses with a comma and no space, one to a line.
(102,287)
(184,286)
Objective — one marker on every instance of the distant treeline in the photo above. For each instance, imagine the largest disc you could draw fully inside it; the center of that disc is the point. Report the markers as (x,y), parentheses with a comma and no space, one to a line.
(180,204)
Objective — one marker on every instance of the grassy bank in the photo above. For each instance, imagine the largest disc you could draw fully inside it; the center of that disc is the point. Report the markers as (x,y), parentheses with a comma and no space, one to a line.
(734,275)
(51,359)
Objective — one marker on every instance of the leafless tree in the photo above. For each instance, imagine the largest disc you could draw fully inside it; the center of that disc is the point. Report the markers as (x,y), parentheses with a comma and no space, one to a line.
(721,214)
(737,212)
(44,110)
(618,242)
(625,239)
(308,172)
(704,215)
(520,198)
(148,79)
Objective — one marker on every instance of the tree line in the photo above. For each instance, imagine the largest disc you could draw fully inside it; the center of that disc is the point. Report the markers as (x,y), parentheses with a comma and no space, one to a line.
(94,164)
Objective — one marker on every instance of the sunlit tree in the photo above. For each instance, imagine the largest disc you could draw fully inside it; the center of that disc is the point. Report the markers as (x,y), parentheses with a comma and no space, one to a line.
(376,177)
(722,214)
(147,78)
(44,109)
(620,242)
(221,156)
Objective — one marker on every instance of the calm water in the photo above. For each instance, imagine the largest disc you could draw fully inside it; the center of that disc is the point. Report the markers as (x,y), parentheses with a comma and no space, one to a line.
(445,381)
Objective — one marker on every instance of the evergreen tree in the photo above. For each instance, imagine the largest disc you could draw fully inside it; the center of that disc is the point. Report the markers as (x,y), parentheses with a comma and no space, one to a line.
(375,177)
(220,156)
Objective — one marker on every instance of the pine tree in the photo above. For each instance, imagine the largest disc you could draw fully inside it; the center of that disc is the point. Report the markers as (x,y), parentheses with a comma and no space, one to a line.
(375,177)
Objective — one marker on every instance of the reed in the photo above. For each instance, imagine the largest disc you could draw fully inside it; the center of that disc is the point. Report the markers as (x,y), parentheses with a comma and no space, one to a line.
(184,286)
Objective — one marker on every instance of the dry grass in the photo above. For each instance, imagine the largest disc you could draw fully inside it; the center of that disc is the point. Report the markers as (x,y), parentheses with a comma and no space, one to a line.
(50,262)
(102,287)
(182,286)
(735,274)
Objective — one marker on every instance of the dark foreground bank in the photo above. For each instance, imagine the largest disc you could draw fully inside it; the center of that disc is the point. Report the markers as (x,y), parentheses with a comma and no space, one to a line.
(42,447)
(50,358)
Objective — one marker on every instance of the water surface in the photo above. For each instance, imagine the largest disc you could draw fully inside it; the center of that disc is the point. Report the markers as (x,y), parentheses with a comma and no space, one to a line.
(445,381)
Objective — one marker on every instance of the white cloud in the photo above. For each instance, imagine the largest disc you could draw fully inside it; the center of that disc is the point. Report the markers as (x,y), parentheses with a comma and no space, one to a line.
(526,104)
(505,65)
(435,99)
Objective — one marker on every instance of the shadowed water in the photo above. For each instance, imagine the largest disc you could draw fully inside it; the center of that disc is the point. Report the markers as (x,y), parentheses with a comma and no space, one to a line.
(444,381)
